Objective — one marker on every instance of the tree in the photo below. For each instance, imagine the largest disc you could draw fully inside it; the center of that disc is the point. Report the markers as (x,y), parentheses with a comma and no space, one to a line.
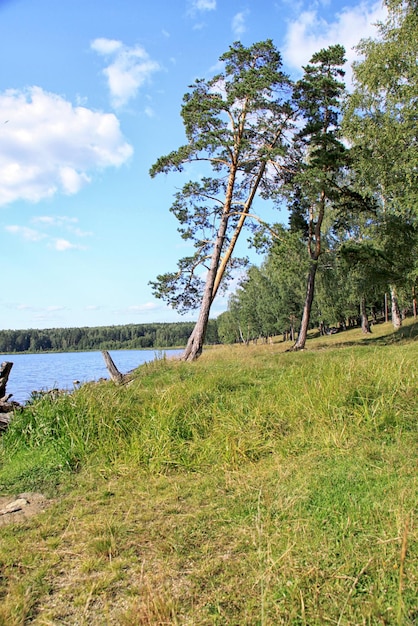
(236,123)
(257,305)
(228,328)
(321,157)
(285,269)
(268,300)
(381,120)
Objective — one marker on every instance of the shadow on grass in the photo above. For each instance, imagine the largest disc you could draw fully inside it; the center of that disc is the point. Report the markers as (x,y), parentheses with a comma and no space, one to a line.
(405,333)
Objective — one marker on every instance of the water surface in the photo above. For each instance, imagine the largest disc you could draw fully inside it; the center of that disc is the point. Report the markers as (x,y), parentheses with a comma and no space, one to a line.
(59,370)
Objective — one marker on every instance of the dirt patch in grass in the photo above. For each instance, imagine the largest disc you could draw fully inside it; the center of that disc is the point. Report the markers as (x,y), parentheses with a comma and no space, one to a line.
(19,508)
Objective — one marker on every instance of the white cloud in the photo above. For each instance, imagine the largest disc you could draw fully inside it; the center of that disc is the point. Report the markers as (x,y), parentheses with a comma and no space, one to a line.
(106,46)
(54,220)
(49,146)
(149,111)
(46,223)
(60,221)
(141,308)
(238,23)
(62,245)
(311,32)
(71,180)
(128,70)
(27,233)
(203,5)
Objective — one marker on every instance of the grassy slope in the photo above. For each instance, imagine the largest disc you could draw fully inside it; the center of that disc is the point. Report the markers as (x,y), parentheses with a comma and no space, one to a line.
(252,487)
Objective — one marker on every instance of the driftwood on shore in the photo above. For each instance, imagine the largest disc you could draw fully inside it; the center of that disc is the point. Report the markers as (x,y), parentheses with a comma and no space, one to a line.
(4,377)
(115,374)
(7,406)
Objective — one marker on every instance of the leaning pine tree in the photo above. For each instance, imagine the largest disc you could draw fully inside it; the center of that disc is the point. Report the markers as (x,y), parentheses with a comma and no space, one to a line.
(236,123)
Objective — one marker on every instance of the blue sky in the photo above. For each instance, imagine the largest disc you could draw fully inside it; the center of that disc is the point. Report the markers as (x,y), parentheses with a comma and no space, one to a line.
(90,97)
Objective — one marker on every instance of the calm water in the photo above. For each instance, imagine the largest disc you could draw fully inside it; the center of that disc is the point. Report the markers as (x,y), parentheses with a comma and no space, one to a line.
(36,372)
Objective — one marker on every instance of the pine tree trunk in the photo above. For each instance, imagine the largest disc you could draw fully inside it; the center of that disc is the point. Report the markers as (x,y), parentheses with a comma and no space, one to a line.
(195,343)
(310,289)
(396,315)
(365,326)
(194,346)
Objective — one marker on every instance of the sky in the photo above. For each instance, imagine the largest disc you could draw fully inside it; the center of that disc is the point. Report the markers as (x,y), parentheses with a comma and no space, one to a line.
(90,98)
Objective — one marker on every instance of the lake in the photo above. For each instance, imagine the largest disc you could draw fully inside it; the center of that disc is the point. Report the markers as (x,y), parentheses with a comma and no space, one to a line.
(59,370)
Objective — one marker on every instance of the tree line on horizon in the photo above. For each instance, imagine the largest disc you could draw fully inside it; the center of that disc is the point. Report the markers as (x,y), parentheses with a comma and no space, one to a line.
(343,165)
(129,337)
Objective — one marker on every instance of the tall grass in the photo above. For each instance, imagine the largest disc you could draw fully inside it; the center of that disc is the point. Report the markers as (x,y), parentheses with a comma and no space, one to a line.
(233,406)
(254,486)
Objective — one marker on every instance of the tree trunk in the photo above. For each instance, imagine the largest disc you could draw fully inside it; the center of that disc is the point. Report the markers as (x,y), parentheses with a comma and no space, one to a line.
(365,326)
(310,290)
(5,369)
(314,249)
(195,343)
(396,315)
(218,265)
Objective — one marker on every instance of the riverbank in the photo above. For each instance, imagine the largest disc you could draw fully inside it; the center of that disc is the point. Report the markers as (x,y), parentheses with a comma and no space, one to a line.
(67,370)
(252,487)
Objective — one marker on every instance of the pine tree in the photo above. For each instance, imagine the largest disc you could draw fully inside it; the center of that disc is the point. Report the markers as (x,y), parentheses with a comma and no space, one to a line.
(322,156)
(236,123)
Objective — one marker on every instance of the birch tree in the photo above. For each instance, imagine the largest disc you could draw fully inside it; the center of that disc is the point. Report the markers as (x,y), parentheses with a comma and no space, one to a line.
(381,122)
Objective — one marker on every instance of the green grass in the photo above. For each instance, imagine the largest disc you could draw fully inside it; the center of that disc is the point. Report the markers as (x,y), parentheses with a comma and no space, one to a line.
(253,487)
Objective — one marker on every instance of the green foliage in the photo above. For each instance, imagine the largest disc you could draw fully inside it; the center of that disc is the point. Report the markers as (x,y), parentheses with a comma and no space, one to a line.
(269,299)
(321,155)
(130,336)
(235,123)
(381,113)
(380,123)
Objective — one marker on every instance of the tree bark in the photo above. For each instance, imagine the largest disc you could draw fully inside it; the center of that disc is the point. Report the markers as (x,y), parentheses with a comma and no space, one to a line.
(194,345)
(310,290)
(314,249)
(5,369)
(396,314)
(365,326)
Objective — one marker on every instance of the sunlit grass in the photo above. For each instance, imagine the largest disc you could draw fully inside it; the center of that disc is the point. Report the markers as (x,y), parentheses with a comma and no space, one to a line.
(255,486)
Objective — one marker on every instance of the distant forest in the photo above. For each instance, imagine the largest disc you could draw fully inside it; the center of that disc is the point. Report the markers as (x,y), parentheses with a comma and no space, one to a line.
(131,336)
